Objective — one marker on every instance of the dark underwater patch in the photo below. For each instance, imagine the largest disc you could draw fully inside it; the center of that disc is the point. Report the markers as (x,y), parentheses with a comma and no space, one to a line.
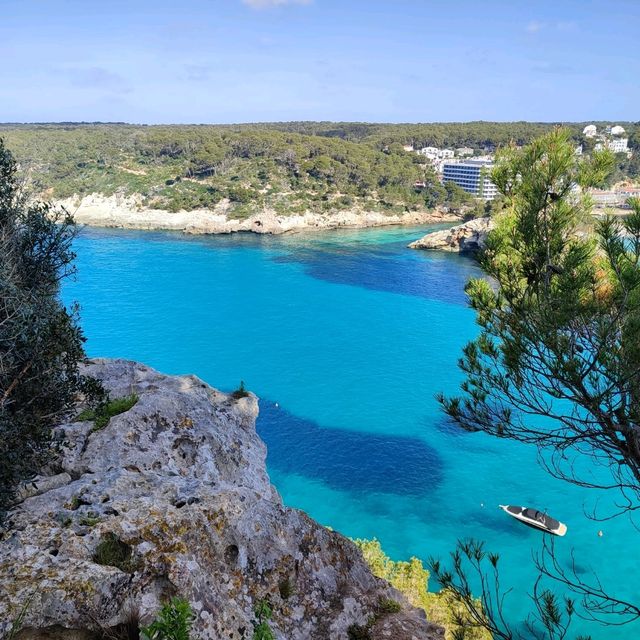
(348,460)
(434,277)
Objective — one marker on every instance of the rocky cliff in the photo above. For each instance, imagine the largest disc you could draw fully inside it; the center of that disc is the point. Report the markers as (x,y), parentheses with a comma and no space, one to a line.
(130,213)
(171,498)
(468,237)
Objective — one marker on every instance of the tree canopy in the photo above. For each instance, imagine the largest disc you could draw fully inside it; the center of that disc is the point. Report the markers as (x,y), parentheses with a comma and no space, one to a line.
(557,361)
(289,167)
(40,341)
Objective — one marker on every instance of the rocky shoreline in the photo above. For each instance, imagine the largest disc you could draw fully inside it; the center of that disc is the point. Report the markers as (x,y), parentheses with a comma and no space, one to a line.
(469,237)
(129,213)
(177,489)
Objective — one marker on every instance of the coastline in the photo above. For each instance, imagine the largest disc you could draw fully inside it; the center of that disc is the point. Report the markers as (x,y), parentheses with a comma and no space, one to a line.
(128,213)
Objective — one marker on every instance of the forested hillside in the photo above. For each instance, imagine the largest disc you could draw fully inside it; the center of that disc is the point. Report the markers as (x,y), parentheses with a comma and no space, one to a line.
(288,167)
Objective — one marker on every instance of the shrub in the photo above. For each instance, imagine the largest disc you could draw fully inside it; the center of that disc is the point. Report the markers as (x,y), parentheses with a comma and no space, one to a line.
(261,628)
(174,622)
(386,606)
(240,392)
(40,340)
(412,579)
(102,413)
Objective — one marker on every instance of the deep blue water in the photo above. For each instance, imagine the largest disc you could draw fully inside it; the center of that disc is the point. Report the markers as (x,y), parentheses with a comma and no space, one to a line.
(345,336)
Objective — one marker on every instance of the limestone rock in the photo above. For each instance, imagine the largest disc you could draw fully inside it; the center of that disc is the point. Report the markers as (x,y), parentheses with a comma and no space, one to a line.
(179,483)
(468,237)
(130,212)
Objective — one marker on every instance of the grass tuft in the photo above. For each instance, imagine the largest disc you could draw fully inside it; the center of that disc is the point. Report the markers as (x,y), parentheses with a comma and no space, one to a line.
(102,414)
(112,552)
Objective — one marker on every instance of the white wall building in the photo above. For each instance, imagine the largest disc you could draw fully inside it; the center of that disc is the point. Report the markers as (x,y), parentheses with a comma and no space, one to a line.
(618,145)
(472,176)
(590,131)
(429,152)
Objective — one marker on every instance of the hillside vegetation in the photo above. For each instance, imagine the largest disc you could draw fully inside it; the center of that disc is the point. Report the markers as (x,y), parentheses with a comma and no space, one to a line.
(287,167)
(412,579)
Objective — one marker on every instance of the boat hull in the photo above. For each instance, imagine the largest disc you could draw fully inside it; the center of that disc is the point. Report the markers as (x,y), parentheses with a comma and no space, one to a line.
(535,519)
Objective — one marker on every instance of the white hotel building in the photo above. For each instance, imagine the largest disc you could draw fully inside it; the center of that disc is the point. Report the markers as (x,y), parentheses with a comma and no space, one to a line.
(472,176)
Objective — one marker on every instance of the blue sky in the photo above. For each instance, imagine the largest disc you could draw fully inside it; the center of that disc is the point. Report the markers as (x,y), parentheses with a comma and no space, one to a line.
(217,61)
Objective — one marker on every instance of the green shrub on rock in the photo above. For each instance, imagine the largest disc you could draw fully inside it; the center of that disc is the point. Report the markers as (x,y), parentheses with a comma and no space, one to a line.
(103,412)
(412,579)
(174,622)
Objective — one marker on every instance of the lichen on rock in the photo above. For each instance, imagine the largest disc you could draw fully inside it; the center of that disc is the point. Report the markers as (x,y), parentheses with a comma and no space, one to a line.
(173,498)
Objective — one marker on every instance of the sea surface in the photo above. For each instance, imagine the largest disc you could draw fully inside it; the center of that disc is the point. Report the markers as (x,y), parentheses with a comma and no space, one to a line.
(345,336)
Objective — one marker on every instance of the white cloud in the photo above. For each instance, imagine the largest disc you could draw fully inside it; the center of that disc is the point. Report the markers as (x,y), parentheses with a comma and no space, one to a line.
(268,4)
(534,26)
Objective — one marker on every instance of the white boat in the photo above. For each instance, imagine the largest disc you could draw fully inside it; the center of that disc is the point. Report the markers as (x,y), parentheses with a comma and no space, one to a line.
(536,519)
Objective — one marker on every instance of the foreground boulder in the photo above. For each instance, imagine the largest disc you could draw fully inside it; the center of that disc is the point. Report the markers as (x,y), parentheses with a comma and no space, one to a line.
(468,237)
(172,498)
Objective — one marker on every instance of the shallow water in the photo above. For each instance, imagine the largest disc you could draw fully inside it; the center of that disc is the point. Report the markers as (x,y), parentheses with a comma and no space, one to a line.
(345,336)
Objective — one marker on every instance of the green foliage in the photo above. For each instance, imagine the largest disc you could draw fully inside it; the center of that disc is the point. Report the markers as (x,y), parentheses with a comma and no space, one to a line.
(412,580)
(556,361)
(261,628)
(456,197)
(112,552)
(409,577)
(563,325)
(103,412)
(40,340)
(472,564)
(388,606)
(240,392)
(174,622)
(287,167)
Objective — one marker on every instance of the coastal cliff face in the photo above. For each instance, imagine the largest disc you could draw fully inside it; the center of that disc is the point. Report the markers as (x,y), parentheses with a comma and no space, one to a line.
(178,486)
(129,213)
(468,237)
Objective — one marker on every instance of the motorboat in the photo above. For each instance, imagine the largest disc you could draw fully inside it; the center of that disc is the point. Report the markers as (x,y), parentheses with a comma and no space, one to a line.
(536,519)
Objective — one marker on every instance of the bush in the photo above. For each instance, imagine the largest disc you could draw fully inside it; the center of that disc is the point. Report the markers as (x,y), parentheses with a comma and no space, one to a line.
(412,579)
(261,627)
(386,606)
(240,392)
(174,622)
(40,340)
(103,412)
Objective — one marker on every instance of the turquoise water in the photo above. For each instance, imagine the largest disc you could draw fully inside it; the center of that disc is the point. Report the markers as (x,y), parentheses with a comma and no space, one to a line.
(345,336)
